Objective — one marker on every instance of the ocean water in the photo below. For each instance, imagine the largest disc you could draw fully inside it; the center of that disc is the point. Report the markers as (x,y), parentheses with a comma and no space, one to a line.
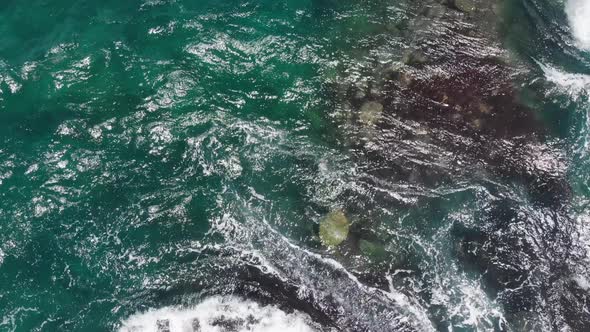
(168,165)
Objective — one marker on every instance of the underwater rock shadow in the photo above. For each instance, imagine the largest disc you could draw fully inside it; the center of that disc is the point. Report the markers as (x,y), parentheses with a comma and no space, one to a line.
(452,91)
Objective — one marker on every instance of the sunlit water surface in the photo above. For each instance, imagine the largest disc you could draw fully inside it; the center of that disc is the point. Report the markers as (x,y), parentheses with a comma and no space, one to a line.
(166,165)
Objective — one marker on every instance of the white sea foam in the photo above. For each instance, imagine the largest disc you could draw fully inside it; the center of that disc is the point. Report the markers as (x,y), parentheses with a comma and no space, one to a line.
(574,85)
(582,282)
(215,315)
(578,12)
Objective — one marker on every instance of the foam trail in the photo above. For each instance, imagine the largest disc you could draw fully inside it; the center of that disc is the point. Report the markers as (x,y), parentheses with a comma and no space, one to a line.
(218,314)
(578,12)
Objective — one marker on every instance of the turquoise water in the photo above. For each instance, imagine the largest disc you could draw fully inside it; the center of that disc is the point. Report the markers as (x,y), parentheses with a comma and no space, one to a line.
(178,154)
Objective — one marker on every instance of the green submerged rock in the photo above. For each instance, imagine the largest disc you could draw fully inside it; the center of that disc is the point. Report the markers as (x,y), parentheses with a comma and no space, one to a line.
(372,250)
(414,58)
(466,6)
(334,229)
(370,113)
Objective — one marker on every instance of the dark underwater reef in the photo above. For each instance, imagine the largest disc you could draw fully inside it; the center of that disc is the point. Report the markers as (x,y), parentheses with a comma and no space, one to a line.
(447,108)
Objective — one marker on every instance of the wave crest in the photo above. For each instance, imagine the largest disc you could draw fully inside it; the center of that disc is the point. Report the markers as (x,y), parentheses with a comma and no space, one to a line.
(578,12)
(217,314)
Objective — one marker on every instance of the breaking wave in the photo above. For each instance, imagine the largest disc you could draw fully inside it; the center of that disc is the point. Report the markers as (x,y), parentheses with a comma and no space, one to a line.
(219,314)
(578,12)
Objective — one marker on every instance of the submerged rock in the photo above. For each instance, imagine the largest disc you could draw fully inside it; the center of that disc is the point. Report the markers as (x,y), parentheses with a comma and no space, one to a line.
(456,86)
(334,229)
(228,323)
(466,6)
(196,325)
(370,113)
(163,325)
(414,58)
(373,250)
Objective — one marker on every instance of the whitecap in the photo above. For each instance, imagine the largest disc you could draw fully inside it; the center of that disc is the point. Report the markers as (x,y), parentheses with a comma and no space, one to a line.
(582,282)
(574,85)
(578,12)
(216,314)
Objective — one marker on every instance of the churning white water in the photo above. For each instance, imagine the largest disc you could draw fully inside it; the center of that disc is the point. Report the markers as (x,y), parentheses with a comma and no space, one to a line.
(218,314)
(574,85)
(578,12)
